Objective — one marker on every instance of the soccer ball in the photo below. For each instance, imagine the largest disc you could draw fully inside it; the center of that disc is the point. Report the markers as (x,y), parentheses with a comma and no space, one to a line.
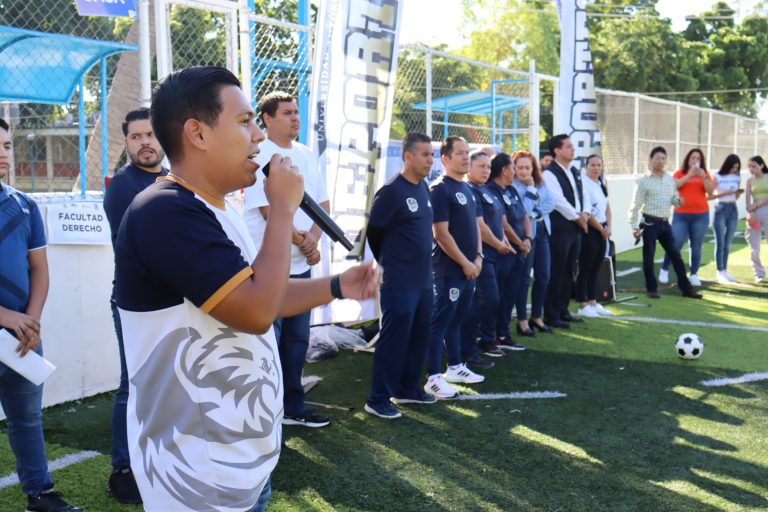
(689,346)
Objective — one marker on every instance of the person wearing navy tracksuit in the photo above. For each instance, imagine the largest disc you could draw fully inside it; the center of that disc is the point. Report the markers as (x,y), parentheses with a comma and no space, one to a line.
(399,234)
(510,267)
(478,333)
(456,263)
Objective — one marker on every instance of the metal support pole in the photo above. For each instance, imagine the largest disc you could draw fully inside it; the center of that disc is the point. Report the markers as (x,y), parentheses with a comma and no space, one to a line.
(145,55)
(534,102)
(678,131)
(636,138)
(104,139)
(162,39)
(81,131)
(757,131)
(243,18)
(735,134)
(445,122)
(514,129)
(303,93)
(428,94)
(493,112)
(709,139)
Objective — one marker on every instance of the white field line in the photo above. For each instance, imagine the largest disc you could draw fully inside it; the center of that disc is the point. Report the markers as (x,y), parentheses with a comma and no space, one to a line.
(60,463)
(518,395)
(727,381)
(632,270)
(652,320)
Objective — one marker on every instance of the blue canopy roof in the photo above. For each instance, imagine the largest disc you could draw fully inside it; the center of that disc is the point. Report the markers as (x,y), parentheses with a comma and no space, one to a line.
(45,68)
(474,102)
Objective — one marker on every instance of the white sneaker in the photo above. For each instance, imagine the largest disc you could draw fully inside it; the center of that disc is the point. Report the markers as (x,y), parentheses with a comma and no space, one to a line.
(759,280)
(588,311)
(600,310)
(694,279)
(460,374)
(438,388)
(663,276)
(722,277)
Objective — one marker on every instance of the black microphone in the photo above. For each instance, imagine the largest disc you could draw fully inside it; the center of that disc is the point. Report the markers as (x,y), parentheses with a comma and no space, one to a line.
(319,217)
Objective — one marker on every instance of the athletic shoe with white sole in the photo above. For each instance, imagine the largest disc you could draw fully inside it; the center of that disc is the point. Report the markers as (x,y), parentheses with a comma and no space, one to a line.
(694,279)
(419,397)
(438,388)
(460,374)
(759,280)
(601,310)
(308,419)
(723,277)
(588,311)
(383,410)
(663,276)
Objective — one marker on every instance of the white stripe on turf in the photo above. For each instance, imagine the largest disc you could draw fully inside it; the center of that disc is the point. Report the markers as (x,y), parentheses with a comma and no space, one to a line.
(632,270)
(727,381)
(518,395)
(685,322)
(59,463)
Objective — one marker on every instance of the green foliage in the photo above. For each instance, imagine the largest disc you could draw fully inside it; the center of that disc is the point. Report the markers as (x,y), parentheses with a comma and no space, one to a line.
(633,49)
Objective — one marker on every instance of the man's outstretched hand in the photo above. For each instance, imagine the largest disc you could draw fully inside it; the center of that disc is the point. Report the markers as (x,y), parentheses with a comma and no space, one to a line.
(360,282)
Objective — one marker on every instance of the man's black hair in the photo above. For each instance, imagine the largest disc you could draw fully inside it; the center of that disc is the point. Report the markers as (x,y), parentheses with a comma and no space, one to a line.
(190,93)
(4,125)
(556,142)
(134,115)
(446,148)
(413,138)
(658,149)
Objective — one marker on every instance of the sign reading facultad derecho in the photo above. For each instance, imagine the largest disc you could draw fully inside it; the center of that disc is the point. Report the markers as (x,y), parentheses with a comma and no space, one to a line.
(77,223)
(577,104)
(114,8)
(353,84)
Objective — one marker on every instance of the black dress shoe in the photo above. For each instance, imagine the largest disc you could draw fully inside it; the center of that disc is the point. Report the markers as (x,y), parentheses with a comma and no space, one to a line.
(527,332)
(541,328)
(692,294)
(558,324)
(653,295)
(570,318)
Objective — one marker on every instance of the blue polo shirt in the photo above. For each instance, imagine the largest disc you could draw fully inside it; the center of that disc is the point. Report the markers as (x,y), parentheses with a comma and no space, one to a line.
(21,231)
(454,202)
(493,213)
(400,234)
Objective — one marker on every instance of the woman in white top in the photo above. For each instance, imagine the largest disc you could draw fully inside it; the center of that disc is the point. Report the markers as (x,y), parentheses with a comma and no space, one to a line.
(726,192)
(595,241)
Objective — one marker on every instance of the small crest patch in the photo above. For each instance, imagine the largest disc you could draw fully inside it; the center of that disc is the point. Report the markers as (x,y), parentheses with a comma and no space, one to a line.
(413,205)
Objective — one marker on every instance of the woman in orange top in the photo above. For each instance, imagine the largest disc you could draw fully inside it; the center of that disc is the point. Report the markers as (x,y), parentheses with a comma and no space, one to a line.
(691,219)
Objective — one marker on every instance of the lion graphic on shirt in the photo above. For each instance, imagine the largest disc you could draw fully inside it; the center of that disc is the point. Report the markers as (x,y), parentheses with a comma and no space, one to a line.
(223,394)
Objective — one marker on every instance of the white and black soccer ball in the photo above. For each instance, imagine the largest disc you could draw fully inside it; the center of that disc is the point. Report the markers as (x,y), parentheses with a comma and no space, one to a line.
(689,346)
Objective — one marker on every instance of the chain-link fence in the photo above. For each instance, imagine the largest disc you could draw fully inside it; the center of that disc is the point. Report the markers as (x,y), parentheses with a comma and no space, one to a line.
(45,136)
(442,94)
(436,92)
(632,124)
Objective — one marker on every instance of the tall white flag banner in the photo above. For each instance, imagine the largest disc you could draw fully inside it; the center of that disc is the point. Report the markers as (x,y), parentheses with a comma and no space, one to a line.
(353,84)
(577,103)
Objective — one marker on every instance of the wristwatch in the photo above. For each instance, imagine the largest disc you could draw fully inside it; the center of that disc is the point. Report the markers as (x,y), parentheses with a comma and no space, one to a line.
(481,256)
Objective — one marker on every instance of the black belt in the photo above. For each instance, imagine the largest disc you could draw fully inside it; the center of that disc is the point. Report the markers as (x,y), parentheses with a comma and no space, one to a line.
(657,219)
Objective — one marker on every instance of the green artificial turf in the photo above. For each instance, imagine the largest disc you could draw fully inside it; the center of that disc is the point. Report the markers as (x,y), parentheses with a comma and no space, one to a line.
(636,432)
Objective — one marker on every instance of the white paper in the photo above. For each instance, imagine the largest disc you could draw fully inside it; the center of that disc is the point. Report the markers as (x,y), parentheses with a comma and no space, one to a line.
(32,366)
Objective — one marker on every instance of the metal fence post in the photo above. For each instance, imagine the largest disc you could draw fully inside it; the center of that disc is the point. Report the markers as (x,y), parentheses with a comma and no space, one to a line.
(303,61)
(636,137)
(709,139)
(735,134)
(428,93)
(534,100)
(677,133)
(145,55)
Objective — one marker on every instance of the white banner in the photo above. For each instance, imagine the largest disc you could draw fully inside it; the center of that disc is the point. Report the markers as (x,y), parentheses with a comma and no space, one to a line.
(577,104)
(353,83)
(77,223)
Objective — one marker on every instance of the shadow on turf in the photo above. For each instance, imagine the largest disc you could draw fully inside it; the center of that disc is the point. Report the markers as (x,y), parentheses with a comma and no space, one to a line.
(439,458)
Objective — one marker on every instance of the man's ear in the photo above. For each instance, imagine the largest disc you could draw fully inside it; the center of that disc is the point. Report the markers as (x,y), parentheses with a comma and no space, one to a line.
(195,133)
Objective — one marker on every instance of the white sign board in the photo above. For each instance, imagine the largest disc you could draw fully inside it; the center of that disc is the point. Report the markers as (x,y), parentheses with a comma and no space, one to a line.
(77,223)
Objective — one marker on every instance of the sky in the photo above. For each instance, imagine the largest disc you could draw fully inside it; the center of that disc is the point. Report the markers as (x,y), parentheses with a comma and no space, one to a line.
(420,23)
